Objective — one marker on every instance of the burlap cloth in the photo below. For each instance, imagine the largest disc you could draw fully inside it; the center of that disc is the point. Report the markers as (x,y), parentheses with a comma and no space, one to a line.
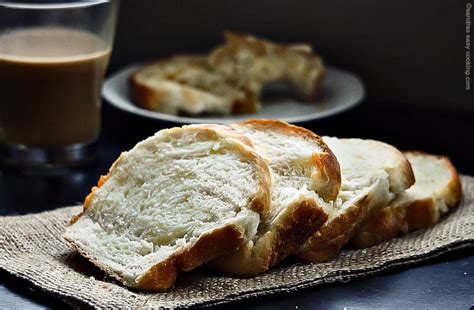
(31,248)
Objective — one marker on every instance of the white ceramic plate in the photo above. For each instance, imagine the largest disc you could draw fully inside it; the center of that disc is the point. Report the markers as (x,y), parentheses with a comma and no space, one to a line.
(340,90)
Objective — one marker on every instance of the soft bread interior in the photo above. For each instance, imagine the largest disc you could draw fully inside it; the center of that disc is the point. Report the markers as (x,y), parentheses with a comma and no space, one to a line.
(184,83)
(367,165)
(252,62)
(372,173)
(363,161)
(174,98)
(297,209)
(291,159)
(433,178)
(436,190)
(164,195)
(229,80)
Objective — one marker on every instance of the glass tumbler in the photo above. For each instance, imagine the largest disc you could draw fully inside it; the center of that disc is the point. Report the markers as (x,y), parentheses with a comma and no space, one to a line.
(53,57)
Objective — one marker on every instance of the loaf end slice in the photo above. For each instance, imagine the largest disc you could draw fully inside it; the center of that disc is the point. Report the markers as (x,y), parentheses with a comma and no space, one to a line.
(437,190)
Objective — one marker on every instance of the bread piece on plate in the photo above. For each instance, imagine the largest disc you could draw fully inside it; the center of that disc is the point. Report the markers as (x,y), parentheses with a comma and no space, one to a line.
(437,190)
(175,201)
(186,84)
(305,177)
(251,62)
(372,174)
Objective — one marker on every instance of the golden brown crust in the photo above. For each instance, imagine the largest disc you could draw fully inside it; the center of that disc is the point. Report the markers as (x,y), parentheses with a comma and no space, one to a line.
(454,195)
(290,227)
(407,171)
(327,242)
(143,95)
(336,233)
(250,104)
(162,276)
(325,161)
(295,225)
(149,98)
(303,219)
(397,218)
(418,214)
(324,252)
(156,99)
(389,222)
(324,244)
(316,85)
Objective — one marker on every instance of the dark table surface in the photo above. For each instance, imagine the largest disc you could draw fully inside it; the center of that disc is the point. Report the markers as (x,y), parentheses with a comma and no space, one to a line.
(444,282)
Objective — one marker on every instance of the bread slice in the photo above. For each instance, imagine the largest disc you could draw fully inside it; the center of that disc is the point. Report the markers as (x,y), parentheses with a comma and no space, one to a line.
(229,80)
(372,173)
(176,200)
(250,63)
(305,176)
(437,190)
(186,84)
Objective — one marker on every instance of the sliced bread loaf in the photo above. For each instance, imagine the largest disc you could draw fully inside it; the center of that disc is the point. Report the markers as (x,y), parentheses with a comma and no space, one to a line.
(176,200)
(372,173)
(437,189)
(305,176)
(250,63)
(186,84)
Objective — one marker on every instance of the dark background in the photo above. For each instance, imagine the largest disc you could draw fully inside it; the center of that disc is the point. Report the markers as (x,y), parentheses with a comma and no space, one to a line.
(410,56)
(409,53)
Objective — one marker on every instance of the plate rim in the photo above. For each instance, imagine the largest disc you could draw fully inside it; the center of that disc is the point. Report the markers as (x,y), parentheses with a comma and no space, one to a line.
(110,95)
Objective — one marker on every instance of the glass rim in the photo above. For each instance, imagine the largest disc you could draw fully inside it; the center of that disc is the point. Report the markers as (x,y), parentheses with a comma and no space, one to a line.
(51,6)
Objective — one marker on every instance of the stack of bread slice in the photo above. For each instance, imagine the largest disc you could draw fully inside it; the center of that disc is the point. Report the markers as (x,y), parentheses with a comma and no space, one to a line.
(243,197)
(229,80)
(437,190)
(372,174)
(305,176)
